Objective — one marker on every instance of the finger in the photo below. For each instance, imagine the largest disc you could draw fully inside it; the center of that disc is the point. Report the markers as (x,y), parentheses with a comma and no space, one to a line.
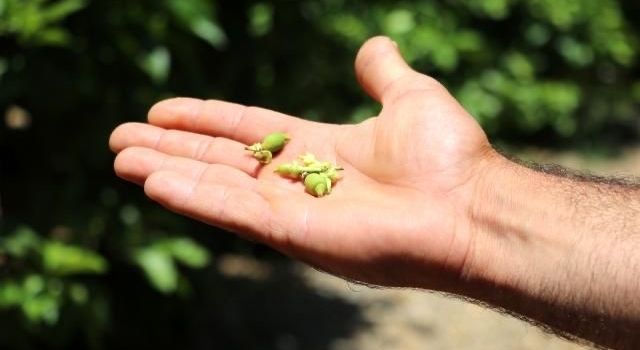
(218,118)
(184,144)
(220,204)
(384,74)
(136,164)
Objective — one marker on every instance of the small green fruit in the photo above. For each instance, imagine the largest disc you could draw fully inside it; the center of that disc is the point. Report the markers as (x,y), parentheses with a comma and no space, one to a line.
(274,142)
(318,176)
(317,184)
(289,169)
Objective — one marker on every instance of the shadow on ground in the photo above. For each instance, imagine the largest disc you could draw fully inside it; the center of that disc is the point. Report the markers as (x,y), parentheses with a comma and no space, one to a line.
(243,305)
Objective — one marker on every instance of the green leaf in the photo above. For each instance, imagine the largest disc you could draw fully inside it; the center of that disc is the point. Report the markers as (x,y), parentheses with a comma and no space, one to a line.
(399,21)
(348,26)
(187,252)
(33,285)
(21,242)
(260,19)
(519,66)
(37,21)
(198,16)
(62,259)
(53,36)
(574,52)
(78,293)
(156,64)
(61,9)
(43,308)
(11,294)
(483,105)
(159,268)
(210,32)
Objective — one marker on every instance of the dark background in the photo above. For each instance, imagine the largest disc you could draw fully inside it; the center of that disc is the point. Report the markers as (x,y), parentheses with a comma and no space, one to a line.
(87,261)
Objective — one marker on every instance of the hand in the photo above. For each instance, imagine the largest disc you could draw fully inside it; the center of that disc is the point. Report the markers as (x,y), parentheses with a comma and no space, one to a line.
(425,201)
(401,214)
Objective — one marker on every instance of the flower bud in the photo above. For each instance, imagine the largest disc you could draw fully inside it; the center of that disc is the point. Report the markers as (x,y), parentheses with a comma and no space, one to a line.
(316,184)
(289,170)
(274,142)
(318,176)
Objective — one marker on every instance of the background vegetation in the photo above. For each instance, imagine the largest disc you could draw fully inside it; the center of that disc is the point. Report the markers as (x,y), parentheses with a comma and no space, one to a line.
(86,261)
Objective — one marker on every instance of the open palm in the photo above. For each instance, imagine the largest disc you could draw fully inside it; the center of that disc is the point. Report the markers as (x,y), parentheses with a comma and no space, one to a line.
(400,214)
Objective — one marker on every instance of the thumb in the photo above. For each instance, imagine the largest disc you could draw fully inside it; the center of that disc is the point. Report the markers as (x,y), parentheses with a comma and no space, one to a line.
(383,73)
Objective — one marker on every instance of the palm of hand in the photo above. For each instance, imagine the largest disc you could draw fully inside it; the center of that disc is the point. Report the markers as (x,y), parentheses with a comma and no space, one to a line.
(408,175)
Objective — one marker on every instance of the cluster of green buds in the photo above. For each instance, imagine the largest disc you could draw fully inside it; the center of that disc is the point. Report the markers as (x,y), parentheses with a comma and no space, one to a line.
(272,143)
(318,176)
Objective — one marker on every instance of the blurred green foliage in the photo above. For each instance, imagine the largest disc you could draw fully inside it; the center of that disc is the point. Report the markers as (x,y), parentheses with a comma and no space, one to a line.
(37,22)
(78,246)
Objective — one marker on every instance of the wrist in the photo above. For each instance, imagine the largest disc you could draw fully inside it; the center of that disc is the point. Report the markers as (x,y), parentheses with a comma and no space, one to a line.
(557,248)
(517,219)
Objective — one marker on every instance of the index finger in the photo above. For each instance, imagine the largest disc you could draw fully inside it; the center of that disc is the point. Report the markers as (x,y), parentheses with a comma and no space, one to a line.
(219,118)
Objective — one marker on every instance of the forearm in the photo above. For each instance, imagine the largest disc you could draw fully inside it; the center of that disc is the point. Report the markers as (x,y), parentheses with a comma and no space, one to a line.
(560,249)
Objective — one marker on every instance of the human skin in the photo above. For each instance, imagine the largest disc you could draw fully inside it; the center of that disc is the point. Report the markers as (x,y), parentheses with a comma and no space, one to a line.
(425,202)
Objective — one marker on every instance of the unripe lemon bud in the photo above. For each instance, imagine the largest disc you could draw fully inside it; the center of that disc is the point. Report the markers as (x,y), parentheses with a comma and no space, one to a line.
(316,184)
(274,142)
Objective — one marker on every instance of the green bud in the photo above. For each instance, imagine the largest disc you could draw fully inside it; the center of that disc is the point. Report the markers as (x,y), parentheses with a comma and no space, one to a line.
(274,142)
(318,176)
(289,170)
(317,184)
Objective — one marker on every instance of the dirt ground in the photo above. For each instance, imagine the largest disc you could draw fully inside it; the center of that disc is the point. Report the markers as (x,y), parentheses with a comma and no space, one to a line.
(393,319)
